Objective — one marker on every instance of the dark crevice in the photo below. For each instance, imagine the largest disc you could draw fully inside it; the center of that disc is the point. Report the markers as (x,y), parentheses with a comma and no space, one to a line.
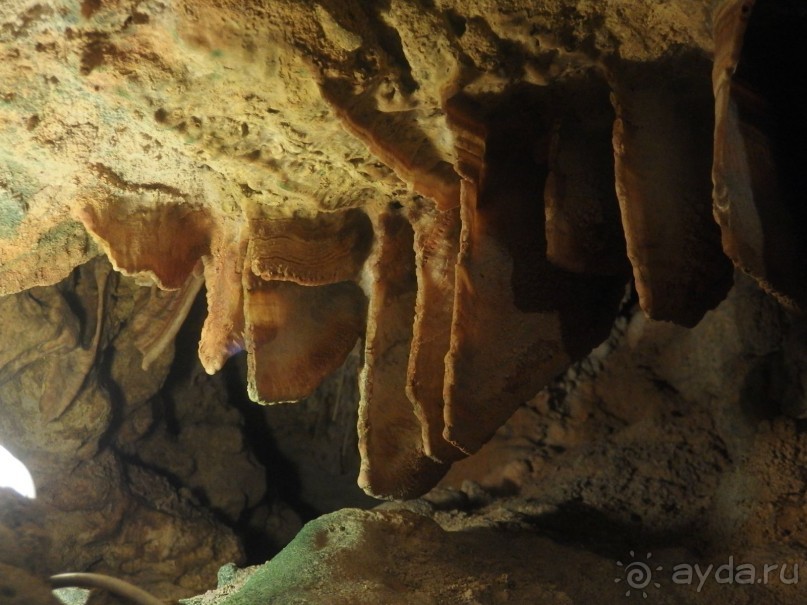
(456,22)
(770,109)
(390,42)
(117,397)
(558,388)
(68,290)
(164,411)
(280,475)
(578,524)
(185,361)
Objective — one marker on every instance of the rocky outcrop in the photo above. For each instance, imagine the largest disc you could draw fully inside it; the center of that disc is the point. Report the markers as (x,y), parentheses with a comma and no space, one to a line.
(120,489)
(25,552)
(402,557)
(255,150)
(251,149)
(664,448)
(447,198)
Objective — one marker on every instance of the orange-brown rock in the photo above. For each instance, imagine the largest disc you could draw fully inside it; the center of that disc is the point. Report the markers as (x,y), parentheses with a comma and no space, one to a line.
(663,162)
(411,157)
(436,242)
(223,331)
(311,251)
(394,463)
(254,142)
(297,335)
(517,319)
(161,243)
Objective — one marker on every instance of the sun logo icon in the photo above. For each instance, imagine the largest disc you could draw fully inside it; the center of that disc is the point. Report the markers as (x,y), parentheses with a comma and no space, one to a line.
(638,575)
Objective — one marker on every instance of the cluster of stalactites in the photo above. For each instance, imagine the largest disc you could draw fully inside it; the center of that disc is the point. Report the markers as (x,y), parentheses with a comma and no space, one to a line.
(471,304)
(467,307)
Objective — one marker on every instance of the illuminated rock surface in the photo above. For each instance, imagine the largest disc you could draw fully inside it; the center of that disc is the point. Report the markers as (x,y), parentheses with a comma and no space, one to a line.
(446,199)
(189,141)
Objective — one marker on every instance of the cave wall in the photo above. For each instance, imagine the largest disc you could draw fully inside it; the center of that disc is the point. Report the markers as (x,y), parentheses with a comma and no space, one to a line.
(105,461)
(667,441)
(157,476)
(412,216)
(275,153)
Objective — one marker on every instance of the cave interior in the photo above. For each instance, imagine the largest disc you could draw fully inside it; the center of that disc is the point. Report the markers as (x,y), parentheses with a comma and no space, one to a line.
(354,302)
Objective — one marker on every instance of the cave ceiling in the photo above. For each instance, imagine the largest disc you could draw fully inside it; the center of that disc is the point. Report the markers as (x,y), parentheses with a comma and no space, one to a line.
(463,188)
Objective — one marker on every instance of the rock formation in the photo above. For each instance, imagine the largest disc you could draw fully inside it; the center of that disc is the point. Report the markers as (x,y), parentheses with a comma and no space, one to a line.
(465,191)
(247,149)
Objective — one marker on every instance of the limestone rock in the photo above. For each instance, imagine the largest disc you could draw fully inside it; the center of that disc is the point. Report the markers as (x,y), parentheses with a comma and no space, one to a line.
(18,587)
(517,320)
(254,148)
(97,497)
(399,557)
(662,164)
(394,462)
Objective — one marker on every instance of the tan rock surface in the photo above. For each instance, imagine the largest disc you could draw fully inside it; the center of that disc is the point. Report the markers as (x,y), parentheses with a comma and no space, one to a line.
(223,141)
(255,138)
(106,467)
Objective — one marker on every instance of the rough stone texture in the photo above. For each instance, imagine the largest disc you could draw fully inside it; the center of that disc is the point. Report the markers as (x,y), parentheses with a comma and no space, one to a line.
(663,159)
(219,142)
(25,552)
(17,587)
(664,441)
(702,401)
(207,140)
(325,463)
(120,491)
(401,557)
(158,476)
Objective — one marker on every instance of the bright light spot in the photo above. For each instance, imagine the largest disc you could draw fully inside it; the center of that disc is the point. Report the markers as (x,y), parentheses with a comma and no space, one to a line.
(72,596)
(13,474)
